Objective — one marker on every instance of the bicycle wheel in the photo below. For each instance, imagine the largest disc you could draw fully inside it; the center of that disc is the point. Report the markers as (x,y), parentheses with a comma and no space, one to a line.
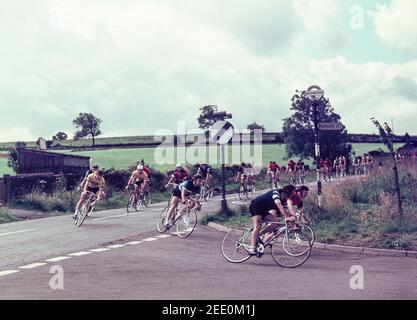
(309,232)
(147,199)
(235,245)
(280,250)
(186,223)
(131,202)
(296,243)
(82,214)
(160,224)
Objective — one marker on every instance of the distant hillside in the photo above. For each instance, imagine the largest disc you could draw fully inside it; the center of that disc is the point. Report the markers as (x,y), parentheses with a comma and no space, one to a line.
(149,141)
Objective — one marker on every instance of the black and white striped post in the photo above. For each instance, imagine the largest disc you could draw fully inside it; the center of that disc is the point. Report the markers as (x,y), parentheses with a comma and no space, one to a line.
(222,132)
(314,94)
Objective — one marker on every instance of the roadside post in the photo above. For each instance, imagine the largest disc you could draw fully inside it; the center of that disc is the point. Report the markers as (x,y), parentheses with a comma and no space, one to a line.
(315,94)
(222,132)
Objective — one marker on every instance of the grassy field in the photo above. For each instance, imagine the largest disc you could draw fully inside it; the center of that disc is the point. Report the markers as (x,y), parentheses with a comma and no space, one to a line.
(123,158)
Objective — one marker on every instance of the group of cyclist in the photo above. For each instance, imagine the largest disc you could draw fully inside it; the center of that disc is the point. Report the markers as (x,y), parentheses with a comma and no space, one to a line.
(363,165)
(265,207)
(295,170)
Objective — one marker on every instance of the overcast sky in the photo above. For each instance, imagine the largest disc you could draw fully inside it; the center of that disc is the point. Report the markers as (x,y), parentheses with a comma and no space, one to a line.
(141,65)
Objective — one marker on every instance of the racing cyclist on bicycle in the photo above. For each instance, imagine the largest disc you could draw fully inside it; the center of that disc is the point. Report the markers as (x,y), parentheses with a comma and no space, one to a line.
(95,184)
(291,170)
(300,169)
(267,206)
(241,175)
(178,176)
(205,172)
(140,178)
(182,191)
(273,171)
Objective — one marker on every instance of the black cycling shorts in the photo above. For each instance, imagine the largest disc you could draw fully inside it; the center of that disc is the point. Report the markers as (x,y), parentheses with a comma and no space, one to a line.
(176,193)
(139,182)
(93,190)
(258,210)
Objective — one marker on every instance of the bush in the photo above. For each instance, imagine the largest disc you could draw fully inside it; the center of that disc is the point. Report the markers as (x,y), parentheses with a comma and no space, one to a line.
(6,216)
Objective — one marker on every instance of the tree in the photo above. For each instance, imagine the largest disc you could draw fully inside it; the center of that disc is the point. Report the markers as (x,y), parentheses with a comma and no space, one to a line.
(13,161)
(60,136)
(387,136)
(298,130)
(90,126)
(254,126)
(210,116)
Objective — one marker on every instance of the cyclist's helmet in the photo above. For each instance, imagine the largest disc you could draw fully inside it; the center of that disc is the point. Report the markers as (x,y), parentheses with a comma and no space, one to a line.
(303,188)
(178,166)
(140,167)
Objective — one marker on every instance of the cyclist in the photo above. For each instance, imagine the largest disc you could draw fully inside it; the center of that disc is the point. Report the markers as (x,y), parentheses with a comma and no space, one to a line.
(268,205)
(337,166)
(182,191)
(291,170)
(140,178)
(300,170)
(357,166)
(241,175)
(249,173)
(273,171)
(93,169)
(205,171)
(95,183)
(179,175)
(343,165)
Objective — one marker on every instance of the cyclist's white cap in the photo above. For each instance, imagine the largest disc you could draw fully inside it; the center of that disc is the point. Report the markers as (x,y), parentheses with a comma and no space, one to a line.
(178,166)
(140,167)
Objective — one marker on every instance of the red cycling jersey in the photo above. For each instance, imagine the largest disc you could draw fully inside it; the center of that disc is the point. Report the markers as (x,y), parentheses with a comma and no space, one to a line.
(291,165)
(179,175)
(273,167)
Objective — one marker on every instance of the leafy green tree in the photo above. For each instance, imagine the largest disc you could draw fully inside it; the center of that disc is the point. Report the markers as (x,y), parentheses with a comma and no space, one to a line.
(60,136)
(298,130)
(209,116)
(90,126)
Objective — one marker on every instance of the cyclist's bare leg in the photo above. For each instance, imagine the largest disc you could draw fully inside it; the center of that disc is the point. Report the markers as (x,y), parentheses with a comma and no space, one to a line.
(81,201)
(257,223)
(174,204)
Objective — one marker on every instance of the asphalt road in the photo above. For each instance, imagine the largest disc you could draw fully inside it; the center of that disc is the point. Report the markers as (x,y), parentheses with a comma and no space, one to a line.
(119,256)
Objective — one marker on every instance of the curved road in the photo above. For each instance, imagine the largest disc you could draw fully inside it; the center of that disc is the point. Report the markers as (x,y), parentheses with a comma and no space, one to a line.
(115,255)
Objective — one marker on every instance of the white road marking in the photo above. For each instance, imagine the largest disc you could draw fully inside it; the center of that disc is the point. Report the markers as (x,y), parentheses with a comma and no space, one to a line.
(134,242)
(115,246)
(78,254)
(100,250)
(15,232)
(7,272)
(57,259)
(33,265)
(163,236)
(149,239)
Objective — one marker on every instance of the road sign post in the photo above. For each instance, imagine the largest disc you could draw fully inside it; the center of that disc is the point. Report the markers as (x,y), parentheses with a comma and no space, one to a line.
(222,132)
(314,94)
(330,126)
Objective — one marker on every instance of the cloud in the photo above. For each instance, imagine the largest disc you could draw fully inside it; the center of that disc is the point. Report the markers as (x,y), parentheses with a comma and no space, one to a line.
(395,25)
(143,65)
(323,21)
(405,87)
